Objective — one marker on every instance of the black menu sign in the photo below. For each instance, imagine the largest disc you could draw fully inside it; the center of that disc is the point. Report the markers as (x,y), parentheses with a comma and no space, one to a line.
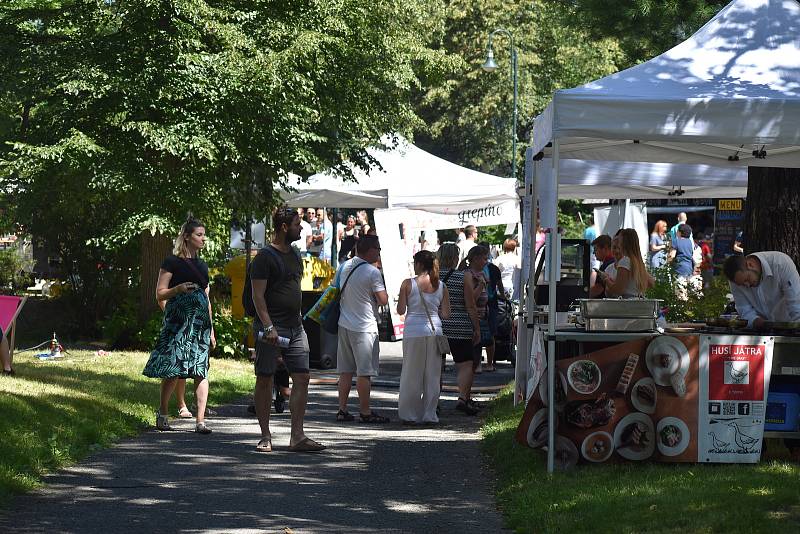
(728,221)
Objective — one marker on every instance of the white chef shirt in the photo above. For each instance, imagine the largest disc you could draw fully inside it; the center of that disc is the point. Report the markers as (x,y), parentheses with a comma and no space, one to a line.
(777,297)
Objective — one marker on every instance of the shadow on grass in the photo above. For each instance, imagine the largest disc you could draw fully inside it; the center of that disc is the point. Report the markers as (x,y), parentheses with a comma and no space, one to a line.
(53,416)
(644,497)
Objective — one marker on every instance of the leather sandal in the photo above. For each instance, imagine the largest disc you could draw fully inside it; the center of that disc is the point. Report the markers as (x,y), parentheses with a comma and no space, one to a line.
(184,413)
(344,417)
(162,422)
(264,445)
(306,445)
(373,418)
(201,428)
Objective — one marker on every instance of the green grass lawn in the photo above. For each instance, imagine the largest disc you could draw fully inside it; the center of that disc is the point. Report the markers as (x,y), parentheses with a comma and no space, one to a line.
(632,497)
(53,413)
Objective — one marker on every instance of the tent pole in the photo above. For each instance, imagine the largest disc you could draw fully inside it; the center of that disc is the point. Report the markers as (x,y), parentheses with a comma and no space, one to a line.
(526,302)
(554,256)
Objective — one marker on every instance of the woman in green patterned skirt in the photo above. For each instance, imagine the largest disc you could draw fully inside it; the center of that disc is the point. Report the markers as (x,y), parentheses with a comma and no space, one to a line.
(187,334)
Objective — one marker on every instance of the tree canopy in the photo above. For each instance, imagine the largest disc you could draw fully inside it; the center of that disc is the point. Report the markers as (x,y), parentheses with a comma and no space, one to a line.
(469,116)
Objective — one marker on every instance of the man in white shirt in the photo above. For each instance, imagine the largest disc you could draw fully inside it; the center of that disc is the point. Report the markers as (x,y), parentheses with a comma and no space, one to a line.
(363,290)
(305,234)
(765,287)
(470,241)
(510,265)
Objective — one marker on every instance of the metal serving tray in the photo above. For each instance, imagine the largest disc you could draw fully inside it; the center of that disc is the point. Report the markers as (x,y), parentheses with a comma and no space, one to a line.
(621,324)
(619,308)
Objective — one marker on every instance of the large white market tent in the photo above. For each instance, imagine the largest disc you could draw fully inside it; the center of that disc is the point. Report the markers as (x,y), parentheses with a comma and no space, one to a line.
(730,88)
(728,96)
(580,179)
(408,177)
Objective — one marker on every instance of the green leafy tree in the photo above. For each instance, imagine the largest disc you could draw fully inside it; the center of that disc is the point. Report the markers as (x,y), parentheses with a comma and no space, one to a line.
(645,28)
(134,112)
(469,116)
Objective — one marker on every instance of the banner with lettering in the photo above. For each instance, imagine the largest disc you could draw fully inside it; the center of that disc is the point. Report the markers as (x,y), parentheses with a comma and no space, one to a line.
(669,398)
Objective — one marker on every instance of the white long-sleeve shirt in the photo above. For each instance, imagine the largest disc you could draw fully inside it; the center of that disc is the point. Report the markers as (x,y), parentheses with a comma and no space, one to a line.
(777,297)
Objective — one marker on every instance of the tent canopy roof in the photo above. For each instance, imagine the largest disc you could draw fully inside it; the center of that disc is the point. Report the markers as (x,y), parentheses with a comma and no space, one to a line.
(408,177)
(733,85)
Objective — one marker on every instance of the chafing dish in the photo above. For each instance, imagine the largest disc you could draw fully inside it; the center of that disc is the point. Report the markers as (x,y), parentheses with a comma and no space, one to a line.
(627,315)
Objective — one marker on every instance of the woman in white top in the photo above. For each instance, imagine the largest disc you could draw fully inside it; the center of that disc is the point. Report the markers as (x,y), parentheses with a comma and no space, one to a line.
(632,278)
(510,265)
(422,363)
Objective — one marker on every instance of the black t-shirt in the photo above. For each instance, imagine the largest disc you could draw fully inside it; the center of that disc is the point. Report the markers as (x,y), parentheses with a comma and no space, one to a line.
(283,295)
(186,270)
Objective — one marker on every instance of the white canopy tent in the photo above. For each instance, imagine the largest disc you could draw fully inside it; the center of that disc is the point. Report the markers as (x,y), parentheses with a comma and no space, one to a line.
(408,177)
(729,96)
(579,179)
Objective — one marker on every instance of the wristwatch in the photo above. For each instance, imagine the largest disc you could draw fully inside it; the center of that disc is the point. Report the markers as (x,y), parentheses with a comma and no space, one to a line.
(269,329)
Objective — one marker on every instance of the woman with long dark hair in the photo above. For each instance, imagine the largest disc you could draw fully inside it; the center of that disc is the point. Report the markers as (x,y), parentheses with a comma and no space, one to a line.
(463,327)
(424,301)
(187,335)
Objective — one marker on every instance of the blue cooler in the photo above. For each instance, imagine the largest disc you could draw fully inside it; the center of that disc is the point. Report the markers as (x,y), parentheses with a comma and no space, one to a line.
(783,410)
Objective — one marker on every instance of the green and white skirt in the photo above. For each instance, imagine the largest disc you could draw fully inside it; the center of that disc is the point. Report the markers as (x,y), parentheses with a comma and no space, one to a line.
(185,339)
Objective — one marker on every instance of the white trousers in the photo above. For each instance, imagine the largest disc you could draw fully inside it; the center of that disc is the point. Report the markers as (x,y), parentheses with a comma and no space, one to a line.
(419,380)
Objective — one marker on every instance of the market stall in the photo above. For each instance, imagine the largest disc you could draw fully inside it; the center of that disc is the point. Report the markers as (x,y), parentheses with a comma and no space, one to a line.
(413,192)
(727,97)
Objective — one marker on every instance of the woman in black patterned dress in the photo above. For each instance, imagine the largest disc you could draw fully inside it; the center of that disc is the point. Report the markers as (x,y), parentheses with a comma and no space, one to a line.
(187,334)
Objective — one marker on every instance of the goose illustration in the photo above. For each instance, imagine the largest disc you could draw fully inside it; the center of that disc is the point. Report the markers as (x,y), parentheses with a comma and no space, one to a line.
(742,440)
(718,443)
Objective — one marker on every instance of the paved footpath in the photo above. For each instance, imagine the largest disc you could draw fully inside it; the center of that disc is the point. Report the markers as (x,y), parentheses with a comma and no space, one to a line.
(387,477)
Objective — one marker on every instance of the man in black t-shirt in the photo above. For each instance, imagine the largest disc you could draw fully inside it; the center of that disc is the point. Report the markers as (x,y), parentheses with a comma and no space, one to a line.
(277,298)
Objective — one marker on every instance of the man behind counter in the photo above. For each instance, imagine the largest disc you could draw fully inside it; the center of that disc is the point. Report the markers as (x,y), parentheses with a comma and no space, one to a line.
(765,287)
(602,252)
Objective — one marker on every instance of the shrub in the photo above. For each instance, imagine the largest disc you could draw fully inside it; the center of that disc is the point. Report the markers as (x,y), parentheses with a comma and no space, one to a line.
(698,304)
(230,333)
(14,270)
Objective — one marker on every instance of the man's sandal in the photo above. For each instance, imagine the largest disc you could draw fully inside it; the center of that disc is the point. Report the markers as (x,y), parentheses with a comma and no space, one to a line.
(184,413)
(162,422)
(201,428)
(373,418)
(307,445)
(344,417)
(264,445)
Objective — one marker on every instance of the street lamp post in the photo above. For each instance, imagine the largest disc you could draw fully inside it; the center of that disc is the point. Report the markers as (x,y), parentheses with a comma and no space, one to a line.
(490,66)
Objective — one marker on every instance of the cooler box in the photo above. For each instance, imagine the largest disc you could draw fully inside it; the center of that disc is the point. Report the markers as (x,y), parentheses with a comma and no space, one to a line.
(783,410)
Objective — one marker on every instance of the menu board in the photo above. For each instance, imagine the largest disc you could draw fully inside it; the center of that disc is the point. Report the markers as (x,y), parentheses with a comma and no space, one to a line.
(664,398)
(728,221)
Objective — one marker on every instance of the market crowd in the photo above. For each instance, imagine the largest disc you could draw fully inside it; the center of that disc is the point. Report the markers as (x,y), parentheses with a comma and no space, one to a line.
(456,304)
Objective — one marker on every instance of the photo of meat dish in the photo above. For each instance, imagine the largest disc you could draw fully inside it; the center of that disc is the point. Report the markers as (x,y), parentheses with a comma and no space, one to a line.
(644,395)
(590,414)
(634,437)
(584,376)
(670,435)
(627,374)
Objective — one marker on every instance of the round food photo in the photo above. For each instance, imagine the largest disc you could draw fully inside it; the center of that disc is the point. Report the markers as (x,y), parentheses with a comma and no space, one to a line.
(537,429)
(634,437)
(584,376)
(561,390)
(644,395)
(672,436)
(598,447)
(666,356)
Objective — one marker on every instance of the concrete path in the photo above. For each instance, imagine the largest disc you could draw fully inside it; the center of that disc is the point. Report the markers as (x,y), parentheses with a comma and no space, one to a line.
(389,478)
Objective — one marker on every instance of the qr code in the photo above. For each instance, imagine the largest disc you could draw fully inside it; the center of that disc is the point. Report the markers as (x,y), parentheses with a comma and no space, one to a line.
(728,408)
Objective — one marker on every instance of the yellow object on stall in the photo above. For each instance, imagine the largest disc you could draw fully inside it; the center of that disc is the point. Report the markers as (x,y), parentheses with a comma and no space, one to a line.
(317,276)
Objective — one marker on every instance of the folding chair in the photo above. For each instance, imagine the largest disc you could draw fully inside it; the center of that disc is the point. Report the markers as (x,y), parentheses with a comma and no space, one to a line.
(10,306)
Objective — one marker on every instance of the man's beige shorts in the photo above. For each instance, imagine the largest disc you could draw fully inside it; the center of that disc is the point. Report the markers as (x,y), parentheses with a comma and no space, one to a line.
(357,353)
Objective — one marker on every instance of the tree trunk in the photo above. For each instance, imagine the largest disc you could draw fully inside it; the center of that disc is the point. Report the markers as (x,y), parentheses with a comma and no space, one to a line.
(772,213)
(154,248)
